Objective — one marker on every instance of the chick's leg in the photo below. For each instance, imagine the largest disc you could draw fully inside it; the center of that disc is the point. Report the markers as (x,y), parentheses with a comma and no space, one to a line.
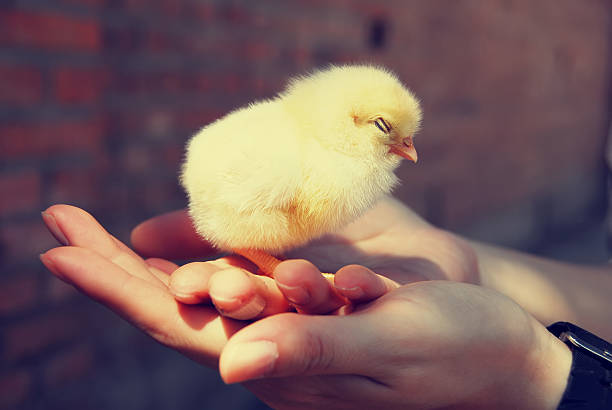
(264,261)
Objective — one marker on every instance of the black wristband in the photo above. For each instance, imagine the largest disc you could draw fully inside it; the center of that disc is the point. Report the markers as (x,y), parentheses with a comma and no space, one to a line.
(589,385)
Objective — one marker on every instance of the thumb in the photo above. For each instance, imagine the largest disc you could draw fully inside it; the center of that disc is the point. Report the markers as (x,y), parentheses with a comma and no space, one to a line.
(290,344)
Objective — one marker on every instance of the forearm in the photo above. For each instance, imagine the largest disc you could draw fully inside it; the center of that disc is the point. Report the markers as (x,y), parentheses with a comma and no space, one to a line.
(550,290)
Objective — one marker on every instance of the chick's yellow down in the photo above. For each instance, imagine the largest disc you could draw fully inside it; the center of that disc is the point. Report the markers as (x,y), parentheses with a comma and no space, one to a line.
(275,174)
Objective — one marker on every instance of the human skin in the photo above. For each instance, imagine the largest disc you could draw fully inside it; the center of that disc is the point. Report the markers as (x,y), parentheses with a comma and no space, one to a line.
(425,345)
(390,240)
(137,289)
(394,242)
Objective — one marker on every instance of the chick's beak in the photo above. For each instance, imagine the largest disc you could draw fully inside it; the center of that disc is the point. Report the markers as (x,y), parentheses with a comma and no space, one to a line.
(405,149)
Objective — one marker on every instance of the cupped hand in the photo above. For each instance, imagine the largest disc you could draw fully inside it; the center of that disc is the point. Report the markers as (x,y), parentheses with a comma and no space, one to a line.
(430,344)
(425,345)
(108,271)
(389,239)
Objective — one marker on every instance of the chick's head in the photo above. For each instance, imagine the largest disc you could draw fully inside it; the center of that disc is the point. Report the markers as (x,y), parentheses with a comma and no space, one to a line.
(360,111)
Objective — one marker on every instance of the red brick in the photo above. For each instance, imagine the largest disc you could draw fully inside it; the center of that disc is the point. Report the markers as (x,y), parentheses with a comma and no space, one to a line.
(157,194)
(49,138)
(137,160)
(155,123)
(136,5)
(14,388)
(220,47)
(81,187)
(20,192)
(124,39)
(200,11)
(159,41)
(58,291)
(18,293)
(300,56)
(20,85)
(24,241)
(147,83)
(160,123)
(141,84)
(48,30)
(171,82)
(170,8)
(265,86)
(259,51)
(201,83)
(194,119)
(35,335)
(230,83)
(172,156)
(80,85)
(68,366)
(234,14)
(89,3)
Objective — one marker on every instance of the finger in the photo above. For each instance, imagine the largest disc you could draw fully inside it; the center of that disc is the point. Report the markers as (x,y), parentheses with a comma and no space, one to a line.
(189,283)
(73,226)
(359,284)
(170,236)
(133,298)
(239,294)
(298,345)
(161,264)
(306,288)
(159,275)
(198,332)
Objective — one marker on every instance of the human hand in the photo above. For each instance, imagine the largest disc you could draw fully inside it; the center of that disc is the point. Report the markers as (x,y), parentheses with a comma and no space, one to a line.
(106,270)
(467,344)
(137,289)
(426,345)
(390,240)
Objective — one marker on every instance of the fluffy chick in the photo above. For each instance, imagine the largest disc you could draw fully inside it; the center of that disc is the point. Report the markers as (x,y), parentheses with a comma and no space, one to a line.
(275,174)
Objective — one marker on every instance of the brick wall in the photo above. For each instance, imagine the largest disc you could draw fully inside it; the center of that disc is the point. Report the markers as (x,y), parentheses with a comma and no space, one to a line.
(97,98)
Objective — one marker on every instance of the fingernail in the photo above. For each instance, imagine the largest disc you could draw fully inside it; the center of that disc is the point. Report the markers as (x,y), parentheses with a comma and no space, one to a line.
(239,309)
(187,298)
(251,360)
(54,228)
(295,294)
(352,293)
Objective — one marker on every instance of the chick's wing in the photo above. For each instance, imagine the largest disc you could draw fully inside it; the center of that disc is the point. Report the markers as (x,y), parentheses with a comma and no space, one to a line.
(248,161)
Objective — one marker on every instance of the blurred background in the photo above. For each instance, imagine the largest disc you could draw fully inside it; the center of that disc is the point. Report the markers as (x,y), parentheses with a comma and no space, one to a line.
(98,97)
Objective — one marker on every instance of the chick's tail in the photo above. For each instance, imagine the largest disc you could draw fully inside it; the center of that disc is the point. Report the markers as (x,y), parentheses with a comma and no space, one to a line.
(264,261)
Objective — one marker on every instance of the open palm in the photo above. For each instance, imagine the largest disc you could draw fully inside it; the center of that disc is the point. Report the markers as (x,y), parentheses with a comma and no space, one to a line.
(390,240)
(393,241)
(108,271)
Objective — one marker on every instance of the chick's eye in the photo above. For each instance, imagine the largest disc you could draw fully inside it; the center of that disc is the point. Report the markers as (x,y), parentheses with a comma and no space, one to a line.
(382,125)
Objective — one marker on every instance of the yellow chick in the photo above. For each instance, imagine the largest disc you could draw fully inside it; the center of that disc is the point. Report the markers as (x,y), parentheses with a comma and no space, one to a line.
(275,174)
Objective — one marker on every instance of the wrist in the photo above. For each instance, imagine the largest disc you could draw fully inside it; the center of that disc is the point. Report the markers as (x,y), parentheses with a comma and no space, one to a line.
(531,377)
(547,370)
(531,371)
(538,378)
